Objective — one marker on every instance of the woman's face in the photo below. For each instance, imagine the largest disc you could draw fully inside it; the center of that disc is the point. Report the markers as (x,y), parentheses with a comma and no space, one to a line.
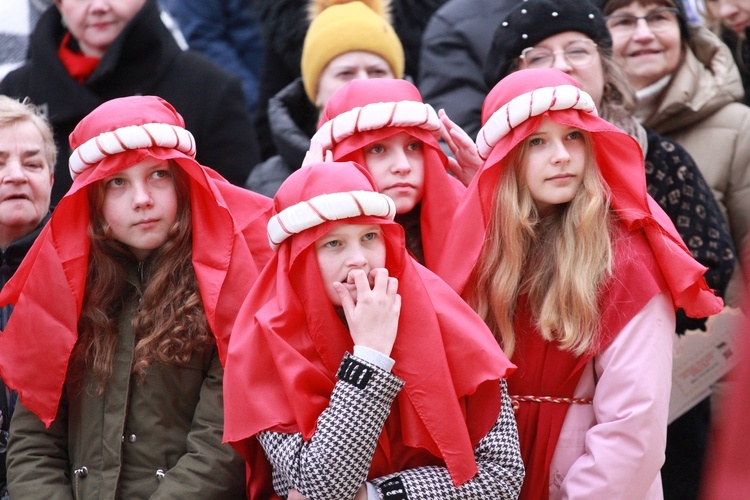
(734,14)
(355,65)
(572,45)
(96,23)
(140,205)
(646,42)
(349,247)
(25,180)
(554,163)
(396,164)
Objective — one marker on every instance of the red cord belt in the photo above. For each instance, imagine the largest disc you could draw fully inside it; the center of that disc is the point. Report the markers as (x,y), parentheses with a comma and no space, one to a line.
(517,400)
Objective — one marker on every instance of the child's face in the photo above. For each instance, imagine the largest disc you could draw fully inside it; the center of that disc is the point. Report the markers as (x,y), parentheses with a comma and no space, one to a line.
(140,205)
(345,248)
(554,163)
(397,166)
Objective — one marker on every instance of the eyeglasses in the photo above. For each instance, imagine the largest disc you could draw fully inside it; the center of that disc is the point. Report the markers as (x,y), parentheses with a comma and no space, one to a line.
(576,53)
(659,19)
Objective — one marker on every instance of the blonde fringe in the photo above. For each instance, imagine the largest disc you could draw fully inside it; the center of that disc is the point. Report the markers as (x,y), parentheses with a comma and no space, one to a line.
(380,7)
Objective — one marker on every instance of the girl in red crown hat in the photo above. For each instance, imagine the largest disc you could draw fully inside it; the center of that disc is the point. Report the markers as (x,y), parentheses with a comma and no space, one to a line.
(384,126)
(578,272)
(123,310)
(358,371)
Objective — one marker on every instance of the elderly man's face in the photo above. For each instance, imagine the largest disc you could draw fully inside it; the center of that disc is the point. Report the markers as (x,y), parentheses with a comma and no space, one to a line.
(25,181)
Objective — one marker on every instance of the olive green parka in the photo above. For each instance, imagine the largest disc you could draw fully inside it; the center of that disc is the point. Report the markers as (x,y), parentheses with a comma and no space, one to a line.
(157,438)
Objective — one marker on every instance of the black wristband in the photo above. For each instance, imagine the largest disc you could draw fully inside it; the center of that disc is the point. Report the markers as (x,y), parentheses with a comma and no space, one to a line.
(354,372)
(394,489)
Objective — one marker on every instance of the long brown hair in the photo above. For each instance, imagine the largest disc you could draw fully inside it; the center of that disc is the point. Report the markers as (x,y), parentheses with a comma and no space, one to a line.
(558,260)
(170,324)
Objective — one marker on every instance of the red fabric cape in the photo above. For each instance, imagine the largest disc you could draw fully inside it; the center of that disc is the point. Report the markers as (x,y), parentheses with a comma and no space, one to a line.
(442,192)
(288,343)
(229,246)
(650,258)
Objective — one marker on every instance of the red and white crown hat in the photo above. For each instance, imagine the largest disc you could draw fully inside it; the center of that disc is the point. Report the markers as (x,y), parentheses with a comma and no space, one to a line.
(522,107)
(327,207)
(123,139)
(375,116)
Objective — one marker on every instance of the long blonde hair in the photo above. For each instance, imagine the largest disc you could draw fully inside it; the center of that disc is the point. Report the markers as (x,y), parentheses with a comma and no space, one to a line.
(558,260)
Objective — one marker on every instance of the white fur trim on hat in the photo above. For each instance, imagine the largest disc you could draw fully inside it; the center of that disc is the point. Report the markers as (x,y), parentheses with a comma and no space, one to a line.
(123,139)
(375,116)
(534,103)
(327,207)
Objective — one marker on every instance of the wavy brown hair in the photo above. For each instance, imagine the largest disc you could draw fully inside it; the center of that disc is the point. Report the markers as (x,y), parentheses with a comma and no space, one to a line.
(558,259)
(170,324)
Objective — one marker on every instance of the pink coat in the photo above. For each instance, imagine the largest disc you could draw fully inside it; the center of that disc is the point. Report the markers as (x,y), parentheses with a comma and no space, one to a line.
(614,448)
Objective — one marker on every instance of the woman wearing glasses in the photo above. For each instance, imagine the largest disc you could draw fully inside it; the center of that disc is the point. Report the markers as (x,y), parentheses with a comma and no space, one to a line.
(688,88)
(571,35)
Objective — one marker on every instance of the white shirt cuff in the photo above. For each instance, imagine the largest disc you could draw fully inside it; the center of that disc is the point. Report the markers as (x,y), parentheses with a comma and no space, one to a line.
(372,491)
(375,357)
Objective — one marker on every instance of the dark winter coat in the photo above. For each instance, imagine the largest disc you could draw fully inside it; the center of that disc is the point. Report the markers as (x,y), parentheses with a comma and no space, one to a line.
(10,259)
(293,120)
(226,31)
(144,59)
(454,49)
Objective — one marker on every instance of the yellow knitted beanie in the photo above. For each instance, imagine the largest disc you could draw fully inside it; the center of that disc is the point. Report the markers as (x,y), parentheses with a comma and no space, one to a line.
(346,28)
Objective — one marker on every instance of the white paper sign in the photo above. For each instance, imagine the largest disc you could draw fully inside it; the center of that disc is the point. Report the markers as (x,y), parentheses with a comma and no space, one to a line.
(702,358)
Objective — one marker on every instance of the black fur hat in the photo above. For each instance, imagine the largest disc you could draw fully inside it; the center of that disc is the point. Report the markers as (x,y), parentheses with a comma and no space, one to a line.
(532,21)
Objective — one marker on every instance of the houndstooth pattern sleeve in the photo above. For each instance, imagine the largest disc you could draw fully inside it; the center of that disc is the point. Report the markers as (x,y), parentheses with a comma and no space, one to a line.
(498,456)
(335,462)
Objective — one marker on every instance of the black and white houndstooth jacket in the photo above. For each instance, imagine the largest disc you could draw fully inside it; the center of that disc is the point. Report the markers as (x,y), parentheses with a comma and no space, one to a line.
(334,463)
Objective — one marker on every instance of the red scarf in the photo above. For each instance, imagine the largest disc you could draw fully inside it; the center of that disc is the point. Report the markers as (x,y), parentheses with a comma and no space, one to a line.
(79,66)
(288,343)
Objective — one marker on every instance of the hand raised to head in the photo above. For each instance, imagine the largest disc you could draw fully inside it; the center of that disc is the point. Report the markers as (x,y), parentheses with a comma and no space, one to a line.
(466,162)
